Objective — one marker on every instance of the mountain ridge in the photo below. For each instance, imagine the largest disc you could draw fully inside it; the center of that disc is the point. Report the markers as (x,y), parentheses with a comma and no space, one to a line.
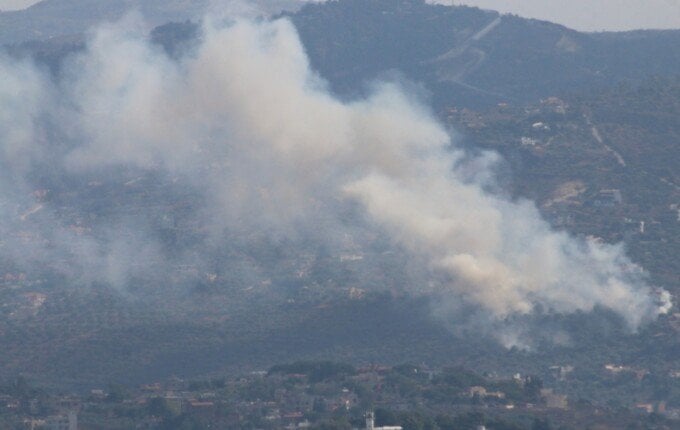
(457,51)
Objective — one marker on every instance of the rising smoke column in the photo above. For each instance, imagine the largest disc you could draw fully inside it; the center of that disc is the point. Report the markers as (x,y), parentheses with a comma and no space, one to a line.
(245,120)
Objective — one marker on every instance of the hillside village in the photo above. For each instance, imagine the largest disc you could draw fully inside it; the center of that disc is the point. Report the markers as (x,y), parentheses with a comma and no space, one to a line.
(594,166)
(326,395)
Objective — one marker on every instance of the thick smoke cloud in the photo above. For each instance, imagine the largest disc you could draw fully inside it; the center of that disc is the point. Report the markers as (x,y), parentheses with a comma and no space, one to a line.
(266,151)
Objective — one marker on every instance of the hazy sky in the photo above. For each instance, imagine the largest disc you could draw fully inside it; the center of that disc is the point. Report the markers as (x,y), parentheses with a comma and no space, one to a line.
(15,4)
(588,15)
(591,15)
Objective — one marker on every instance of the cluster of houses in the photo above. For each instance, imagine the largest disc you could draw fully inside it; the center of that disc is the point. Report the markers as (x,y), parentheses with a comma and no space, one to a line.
(62,415)
(285,400)
(66,421)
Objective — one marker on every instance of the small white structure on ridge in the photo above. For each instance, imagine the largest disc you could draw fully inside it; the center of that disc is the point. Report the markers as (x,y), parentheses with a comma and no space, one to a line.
(370,423)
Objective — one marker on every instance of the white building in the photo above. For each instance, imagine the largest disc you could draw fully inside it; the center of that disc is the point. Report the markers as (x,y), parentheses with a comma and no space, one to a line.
(62,422)
(370,423)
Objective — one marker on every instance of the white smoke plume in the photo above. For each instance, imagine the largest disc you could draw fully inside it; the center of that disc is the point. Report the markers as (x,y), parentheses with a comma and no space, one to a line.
(246,123)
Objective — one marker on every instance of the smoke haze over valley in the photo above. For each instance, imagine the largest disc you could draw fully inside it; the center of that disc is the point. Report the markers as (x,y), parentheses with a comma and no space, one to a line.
(242,126)
(449,210)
